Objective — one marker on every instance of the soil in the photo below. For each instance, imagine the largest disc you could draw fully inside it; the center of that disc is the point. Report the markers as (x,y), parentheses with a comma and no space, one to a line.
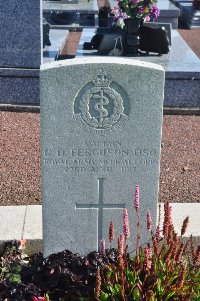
(180,156)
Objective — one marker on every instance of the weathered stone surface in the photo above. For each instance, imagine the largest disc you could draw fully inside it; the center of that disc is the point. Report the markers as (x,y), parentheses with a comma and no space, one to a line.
(101,124)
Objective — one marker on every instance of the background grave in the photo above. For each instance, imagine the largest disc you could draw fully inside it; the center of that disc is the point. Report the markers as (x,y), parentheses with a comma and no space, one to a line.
(20,51)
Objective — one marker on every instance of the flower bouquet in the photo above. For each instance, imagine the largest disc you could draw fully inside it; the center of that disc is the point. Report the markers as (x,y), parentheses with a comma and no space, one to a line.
(135,9)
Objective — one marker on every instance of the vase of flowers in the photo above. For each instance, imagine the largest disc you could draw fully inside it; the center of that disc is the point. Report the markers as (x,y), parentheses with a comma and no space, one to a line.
(129,15)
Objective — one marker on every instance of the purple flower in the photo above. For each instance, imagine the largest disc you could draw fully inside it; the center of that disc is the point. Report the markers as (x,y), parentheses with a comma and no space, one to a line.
(154,13)
(136,9)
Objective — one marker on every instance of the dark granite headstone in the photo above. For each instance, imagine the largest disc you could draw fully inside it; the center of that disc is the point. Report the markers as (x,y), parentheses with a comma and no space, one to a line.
(20,51)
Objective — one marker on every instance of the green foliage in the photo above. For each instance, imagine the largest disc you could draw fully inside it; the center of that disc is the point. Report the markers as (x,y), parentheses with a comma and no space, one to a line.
(10,265)
(165,271)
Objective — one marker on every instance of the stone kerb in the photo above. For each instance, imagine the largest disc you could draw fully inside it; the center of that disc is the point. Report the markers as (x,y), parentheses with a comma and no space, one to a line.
(101,122)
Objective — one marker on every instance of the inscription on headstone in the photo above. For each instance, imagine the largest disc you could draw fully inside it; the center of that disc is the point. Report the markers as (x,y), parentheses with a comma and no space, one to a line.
(101,122)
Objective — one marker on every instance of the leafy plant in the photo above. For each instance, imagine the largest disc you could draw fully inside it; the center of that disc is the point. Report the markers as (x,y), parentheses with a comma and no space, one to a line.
(166,270)
(10,264)
(64,276)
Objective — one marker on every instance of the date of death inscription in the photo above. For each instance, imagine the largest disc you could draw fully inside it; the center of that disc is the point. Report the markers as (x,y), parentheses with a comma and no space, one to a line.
(102,158)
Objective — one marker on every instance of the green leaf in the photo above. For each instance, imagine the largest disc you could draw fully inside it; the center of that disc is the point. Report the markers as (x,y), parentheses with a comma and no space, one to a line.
(15,279)
(47,297)
(172,279)
(16,268)
(150,296)
(104,297)
(169,295)
(117,288)
(130,277)
(197,298)
(5,270)
(110,288)
(136,294)
(159,286)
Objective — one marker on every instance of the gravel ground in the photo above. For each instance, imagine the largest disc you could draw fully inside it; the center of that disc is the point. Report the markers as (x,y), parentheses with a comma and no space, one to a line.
(20,183)
(20,160)
(180,158)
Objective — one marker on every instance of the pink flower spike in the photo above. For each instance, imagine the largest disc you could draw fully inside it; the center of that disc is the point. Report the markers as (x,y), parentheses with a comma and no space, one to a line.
(137,197)
(103,247)
(126,229)
(147,258)
(22,243)
(158,233)
(122,238)
(150,252)
(149,221)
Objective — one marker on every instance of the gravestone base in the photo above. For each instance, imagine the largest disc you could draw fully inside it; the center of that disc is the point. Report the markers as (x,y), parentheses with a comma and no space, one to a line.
(19,86)
(182,90)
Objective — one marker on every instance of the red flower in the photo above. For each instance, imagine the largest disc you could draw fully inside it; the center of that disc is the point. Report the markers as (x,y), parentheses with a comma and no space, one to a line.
(34,298)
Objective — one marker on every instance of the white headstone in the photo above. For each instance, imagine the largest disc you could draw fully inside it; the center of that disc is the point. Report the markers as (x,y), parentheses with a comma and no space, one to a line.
(101,121)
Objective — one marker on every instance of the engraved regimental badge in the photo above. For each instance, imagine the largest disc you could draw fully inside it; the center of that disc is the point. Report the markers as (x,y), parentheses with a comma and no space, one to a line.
(101,105)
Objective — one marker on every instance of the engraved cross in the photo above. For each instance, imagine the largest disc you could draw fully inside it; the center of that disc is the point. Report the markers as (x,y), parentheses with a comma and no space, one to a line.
(100,206)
